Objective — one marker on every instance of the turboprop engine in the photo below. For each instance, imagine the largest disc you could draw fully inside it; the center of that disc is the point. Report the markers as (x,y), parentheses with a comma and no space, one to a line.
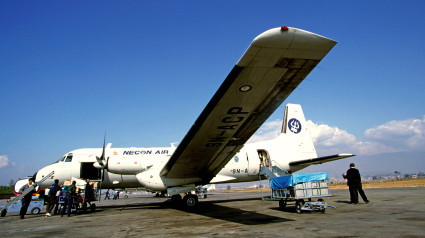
(123,166)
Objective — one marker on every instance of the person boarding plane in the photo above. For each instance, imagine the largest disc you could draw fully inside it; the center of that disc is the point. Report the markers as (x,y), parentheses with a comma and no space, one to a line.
(214,149)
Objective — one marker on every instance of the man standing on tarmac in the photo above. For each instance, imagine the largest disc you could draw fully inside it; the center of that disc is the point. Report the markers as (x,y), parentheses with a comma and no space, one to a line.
(70,192)
(354,183)
(52,198)
(26,200)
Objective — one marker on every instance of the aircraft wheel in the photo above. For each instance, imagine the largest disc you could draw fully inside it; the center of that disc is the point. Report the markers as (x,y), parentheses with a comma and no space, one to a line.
(3,213)
(190,201)
(35,210)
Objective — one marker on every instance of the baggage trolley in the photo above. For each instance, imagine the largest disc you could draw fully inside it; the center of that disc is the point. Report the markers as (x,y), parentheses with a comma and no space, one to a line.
(301,187)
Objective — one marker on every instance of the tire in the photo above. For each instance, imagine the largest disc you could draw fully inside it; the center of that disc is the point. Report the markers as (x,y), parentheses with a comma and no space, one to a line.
(190,201)
(298,205)
(84,206)
(282,204)
(3,213)
(35,210)
(93,207)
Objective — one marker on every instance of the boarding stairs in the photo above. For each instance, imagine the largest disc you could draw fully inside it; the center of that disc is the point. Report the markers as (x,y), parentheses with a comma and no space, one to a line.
(28,190)
(274,170)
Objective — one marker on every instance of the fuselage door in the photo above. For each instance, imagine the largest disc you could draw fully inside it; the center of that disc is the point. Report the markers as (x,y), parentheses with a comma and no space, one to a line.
(264,157)
(88,171)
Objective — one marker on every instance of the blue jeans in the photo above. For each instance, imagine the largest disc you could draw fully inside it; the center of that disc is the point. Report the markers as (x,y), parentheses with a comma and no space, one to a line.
(67,205)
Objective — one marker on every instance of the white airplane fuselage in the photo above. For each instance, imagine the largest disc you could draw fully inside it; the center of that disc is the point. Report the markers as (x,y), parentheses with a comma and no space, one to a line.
(125,164)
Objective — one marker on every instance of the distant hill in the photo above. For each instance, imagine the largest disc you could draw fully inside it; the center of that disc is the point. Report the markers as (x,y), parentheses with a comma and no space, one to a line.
(380,164)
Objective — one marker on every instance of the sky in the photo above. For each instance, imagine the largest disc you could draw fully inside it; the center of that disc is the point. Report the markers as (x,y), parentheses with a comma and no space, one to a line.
(142,72)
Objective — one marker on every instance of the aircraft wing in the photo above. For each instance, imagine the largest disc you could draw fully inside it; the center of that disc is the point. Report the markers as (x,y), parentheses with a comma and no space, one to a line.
(275,63)
(320,160)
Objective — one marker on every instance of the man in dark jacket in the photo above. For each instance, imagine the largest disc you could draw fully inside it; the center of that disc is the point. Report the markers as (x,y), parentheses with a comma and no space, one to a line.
(354,183)
(52,198)
(26,200)
(70,192)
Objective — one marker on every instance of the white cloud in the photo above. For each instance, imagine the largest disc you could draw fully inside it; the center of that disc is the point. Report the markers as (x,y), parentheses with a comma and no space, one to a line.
(267,131)
(394,136)
(4,161)
(404,135)
(329,136)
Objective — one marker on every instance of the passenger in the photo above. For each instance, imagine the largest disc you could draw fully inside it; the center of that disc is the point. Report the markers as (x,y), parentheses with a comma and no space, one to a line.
(52,197)
(107,195)
(354,182)
(88,191)
(88,194)
(70,193)
(26,200)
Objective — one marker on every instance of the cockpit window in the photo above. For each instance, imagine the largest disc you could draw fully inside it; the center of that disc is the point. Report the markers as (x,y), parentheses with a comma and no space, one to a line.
(61,159)
(68,158)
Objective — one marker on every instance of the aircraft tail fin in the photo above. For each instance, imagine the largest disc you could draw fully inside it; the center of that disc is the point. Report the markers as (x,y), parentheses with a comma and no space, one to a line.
(294,127)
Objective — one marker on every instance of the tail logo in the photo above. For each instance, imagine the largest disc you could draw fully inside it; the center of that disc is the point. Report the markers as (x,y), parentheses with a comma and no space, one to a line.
(294,126)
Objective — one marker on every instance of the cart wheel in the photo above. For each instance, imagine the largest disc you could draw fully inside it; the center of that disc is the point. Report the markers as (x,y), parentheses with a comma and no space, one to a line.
(35,210)
(3,213)
(84,206)
(282,204)
(298,205)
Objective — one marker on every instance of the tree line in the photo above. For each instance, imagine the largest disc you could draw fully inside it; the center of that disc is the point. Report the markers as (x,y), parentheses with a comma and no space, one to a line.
(6,189)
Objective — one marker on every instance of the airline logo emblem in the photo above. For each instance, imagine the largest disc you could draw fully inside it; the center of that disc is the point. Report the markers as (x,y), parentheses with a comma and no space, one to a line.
(294,125)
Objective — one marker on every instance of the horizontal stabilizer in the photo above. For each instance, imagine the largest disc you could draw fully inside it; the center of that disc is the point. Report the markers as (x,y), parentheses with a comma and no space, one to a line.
(320,160)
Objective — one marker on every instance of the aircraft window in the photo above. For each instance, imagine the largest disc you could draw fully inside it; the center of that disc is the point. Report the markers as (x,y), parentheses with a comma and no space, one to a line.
(236,159)
(68,158)
(62,159)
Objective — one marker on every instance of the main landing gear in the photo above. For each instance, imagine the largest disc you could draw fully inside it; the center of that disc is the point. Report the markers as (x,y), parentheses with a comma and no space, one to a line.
(189,201)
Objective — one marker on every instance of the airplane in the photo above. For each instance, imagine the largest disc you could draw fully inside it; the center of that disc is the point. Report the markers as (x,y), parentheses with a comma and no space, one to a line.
(214,150)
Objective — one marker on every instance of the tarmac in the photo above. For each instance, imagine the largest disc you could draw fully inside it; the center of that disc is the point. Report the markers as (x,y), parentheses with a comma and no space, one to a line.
(392,212)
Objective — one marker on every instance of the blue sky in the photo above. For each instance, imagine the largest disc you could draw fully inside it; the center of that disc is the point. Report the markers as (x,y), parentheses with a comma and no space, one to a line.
(143,71)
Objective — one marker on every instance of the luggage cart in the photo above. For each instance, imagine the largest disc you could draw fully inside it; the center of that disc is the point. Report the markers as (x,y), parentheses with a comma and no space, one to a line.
(79,203)
(301,187)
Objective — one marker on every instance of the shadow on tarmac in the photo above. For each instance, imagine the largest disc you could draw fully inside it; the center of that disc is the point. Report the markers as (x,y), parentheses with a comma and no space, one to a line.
(209,209)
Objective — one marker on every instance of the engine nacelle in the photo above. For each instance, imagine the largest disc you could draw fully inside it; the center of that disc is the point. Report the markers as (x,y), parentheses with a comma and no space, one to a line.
(126,166)
(152,180)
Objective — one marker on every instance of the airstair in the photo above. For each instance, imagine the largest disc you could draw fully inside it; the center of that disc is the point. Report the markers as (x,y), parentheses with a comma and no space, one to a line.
(274,170)
(20,196)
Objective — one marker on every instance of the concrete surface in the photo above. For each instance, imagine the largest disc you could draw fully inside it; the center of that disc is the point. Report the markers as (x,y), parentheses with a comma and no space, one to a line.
(392,212)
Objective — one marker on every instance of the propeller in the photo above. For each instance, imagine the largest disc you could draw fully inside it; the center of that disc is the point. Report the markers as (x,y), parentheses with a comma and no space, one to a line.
(103,164)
